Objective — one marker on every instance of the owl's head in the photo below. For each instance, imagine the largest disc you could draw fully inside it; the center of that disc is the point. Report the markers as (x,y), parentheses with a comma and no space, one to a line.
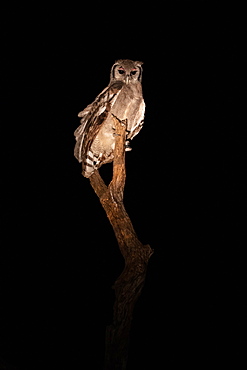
(126,70)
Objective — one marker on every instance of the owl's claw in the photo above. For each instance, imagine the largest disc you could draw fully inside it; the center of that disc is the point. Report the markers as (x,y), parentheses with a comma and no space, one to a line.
(127,146)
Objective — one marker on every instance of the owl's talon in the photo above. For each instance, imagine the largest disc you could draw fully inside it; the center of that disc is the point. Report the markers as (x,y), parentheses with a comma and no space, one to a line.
(127,146)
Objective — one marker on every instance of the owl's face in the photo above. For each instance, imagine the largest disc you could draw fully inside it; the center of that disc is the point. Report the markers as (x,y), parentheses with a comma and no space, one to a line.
(127,70)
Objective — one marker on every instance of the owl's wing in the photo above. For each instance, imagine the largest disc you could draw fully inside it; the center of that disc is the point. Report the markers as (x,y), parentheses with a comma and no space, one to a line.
(92,118)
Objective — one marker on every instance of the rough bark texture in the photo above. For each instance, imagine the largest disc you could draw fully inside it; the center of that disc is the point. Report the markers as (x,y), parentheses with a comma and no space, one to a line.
(136,255)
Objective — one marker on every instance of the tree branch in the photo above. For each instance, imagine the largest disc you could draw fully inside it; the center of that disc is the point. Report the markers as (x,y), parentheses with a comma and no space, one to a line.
(117,184)
(129,285)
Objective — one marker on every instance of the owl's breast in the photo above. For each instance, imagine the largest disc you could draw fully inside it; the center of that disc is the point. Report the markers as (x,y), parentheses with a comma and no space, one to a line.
(128,102)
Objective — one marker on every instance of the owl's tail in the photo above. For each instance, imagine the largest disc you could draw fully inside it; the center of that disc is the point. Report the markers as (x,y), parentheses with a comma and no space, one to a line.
(90,164)
(89,161)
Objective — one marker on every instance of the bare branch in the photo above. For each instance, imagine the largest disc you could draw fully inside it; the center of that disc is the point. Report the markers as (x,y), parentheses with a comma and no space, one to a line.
(129,285)
(119,174)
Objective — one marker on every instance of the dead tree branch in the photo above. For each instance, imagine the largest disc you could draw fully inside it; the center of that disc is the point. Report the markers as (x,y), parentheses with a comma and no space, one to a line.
(129,285)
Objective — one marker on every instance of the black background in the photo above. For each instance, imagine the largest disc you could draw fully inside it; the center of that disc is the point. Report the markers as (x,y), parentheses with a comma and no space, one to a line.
(185,190)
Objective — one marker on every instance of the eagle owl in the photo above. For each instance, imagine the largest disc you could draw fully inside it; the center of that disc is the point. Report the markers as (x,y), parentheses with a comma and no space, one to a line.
(95,137)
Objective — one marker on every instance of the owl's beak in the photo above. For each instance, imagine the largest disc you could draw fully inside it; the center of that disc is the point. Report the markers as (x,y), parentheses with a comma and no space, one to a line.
(127,79)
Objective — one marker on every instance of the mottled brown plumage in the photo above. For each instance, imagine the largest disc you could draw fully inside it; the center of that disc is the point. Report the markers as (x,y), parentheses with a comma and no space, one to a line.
(95,137)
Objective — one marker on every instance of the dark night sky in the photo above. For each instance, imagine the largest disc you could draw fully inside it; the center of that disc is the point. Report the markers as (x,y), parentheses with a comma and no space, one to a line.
(185,187)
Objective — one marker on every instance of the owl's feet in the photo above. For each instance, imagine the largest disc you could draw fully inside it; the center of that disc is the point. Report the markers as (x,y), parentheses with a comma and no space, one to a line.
(127,146)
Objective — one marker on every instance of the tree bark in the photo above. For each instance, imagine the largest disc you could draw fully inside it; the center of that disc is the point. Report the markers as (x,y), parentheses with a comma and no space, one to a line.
(129,285)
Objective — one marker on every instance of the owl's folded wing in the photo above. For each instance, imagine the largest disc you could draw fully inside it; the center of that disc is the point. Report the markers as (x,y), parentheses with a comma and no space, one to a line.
(93,116)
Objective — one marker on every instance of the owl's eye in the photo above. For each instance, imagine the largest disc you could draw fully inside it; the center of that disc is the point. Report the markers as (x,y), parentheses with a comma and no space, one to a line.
(133,72)
(121,71)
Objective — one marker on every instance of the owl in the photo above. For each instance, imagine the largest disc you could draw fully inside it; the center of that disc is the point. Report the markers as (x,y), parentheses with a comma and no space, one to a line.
(122,98)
